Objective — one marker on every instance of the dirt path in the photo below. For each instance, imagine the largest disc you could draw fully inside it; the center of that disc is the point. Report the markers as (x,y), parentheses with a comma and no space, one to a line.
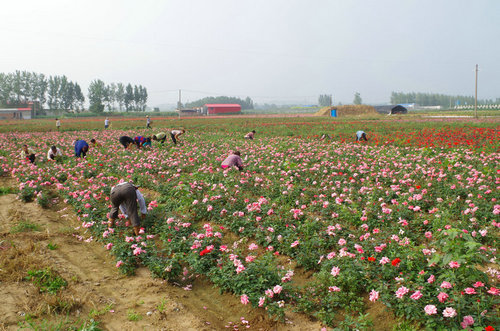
(32,238)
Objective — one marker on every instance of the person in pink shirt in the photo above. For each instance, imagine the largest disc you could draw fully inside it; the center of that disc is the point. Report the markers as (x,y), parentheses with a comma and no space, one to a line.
(250,135)
(233,160)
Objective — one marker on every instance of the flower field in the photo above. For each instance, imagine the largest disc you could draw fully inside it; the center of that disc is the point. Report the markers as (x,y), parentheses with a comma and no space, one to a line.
(409,219)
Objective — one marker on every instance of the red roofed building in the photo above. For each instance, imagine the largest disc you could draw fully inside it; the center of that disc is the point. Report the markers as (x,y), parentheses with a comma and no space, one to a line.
(212,109)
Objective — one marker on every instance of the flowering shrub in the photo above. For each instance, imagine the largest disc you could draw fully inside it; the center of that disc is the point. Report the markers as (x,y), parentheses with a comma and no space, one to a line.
(408,219)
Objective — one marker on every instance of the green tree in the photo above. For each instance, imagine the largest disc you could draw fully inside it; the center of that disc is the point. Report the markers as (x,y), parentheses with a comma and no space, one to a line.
(129,97)
(357,98)
(96,96)
(120,95)
(325,100)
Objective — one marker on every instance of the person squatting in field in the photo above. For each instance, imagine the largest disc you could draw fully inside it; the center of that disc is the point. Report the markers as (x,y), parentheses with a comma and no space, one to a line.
(160,136)
(125,196)
(140,141)
(28,153)
(175,134)
(81,148)
(233,160)
(53,153)
(361,135)
(250,135)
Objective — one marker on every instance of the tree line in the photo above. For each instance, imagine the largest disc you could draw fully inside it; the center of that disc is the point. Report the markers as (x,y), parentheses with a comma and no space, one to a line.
(325,100)
(116,96)
(245,104)
(433,99)
(59,93)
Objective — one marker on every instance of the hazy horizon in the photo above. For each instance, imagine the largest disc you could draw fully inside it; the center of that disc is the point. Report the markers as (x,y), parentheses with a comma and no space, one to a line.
(282,50)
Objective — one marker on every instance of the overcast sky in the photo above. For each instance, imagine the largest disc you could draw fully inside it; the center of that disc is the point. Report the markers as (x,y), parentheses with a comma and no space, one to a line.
(271,50)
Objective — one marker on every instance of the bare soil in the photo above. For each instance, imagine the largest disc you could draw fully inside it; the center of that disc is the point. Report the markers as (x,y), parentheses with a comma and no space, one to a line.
(95,287)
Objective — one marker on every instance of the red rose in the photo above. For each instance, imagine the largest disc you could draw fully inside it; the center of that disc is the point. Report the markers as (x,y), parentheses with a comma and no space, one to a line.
(396,261)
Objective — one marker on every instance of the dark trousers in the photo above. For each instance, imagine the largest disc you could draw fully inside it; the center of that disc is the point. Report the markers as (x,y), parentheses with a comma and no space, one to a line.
(173,138)
(125,193)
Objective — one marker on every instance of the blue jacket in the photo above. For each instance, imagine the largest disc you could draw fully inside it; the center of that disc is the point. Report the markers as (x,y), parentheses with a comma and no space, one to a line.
(79,145)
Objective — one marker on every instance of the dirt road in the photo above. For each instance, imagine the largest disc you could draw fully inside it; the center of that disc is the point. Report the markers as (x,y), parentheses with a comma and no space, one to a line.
(32,238)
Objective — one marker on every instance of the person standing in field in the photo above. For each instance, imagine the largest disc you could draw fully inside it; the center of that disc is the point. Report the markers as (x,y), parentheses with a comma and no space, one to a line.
(361,135)
(81,148)
(250,135)
(124,197)
(53,153)
(106,123)
(58,124)
(175,134)
(148,122)
(161,136)
(233,160)
(126,141)
(28,153)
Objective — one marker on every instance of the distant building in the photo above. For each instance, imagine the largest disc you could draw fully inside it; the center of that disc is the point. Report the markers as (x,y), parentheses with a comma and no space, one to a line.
(391,109)
(26,113)
(212,109)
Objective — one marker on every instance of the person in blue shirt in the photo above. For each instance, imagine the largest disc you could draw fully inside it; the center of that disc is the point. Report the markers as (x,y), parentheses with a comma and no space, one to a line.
(140,141)
(81,148)
(361,135)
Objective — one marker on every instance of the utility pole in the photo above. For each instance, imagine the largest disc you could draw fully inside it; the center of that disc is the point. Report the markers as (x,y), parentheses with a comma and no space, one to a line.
(475,102)
(179,105)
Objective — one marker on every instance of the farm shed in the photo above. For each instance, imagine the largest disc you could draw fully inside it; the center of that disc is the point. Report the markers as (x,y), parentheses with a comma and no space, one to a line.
(16,113)
(391,109)
(222,108)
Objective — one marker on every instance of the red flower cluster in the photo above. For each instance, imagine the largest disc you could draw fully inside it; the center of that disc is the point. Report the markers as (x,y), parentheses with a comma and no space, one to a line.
(396,261)
(205,251)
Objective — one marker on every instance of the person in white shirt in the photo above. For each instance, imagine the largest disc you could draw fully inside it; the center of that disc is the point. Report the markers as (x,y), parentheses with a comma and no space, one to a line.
(53,153)
(124,197)
(175,134)
(106,123)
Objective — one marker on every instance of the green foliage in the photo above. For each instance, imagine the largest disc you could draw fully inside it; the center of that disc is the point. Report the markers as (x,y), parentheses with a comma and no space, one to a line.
(46,280)
(133,316)
(245,104)
(325,100)
(434,99)
(25,226)
(357,99)
(6,190)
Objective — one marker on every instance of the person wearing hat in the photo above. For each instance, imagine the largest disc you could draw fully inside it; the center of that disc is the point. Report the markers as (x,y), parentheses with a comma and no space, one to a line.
(148,122)
(124,197)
